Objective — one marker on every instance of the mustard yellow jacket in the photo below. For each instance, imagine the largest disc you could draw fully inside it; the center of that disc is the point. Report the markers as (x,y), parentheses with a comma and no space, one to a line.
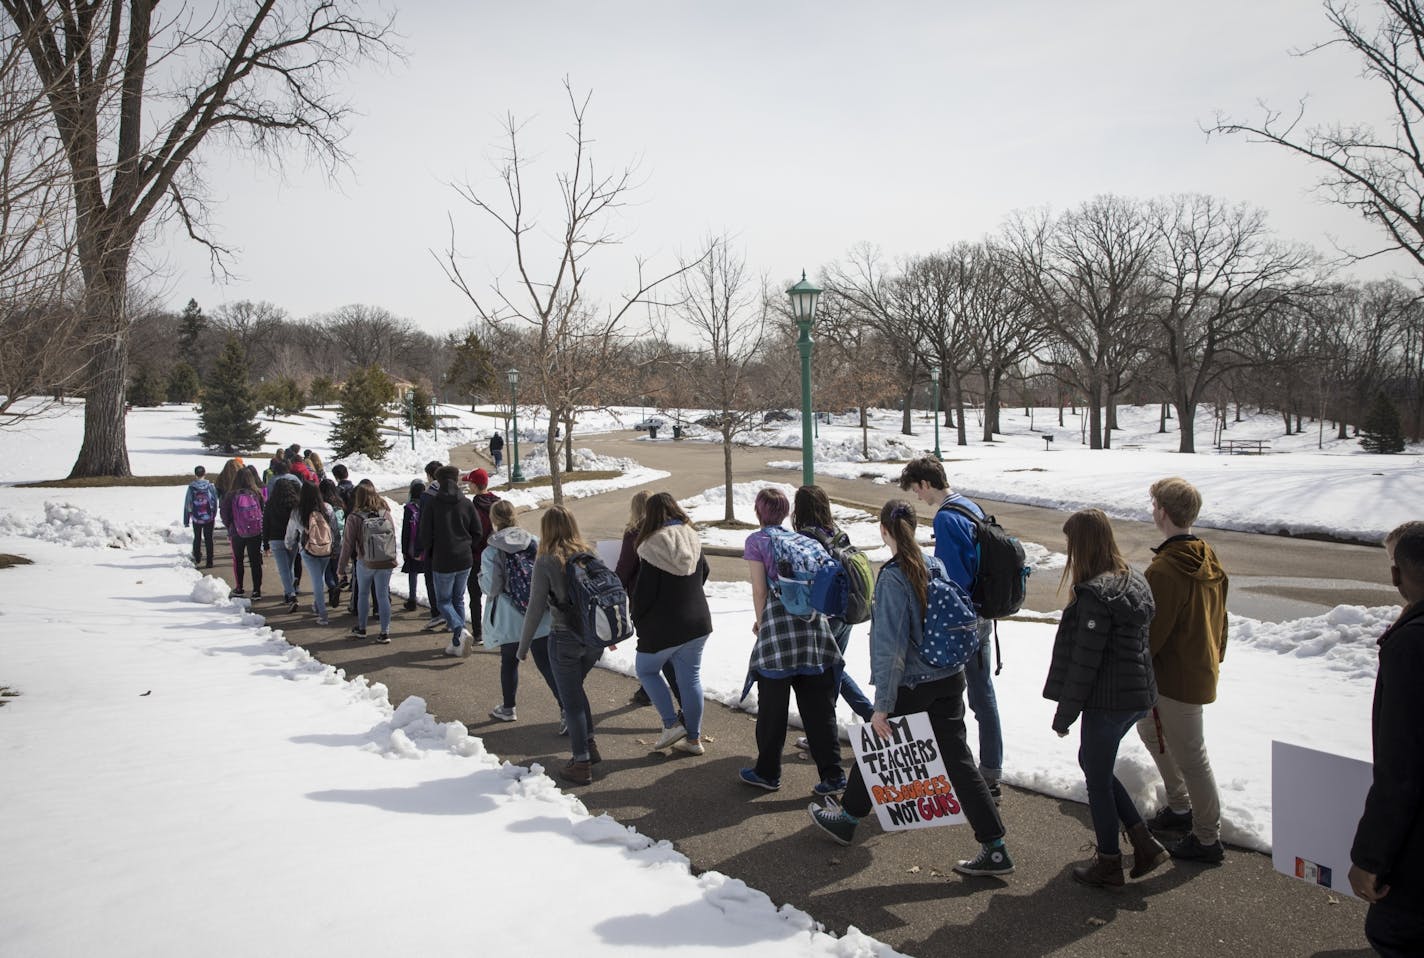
(1188,633)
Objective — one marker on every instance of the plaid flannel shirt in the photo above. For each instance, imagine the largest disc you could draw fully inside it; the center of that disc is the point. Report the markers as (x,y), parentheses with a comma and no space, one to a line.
(790,645)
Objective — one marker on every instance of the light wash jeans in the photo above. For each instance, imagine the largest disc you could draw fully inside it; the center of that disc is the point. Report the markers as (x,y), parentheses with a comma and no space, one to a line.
(316,575)
(450,597)
(365,578)
(283,558)
(979,680)
(687,661)
(851,692)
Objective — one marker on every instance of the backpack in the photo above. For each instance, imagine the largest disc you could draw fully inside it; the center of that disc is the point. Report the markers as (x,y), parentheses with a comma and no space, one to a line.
(845,589)
(518,573)
(202,506)
(247,514)
(798,561)
(1003,574)
(318,535)
(379,549)
(597,602)
(412,528)
(951,631)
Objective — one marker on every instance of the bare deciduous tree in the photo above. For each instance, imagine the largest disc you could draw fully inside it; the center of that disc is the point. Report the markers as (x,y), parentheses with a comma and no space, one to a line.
(133,97)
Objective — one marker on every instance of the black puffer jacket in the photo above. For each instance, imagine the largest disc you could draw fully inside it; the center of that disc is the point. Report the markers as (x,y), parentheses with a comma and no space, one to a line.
(448,530)
(1101,655)
(280,503)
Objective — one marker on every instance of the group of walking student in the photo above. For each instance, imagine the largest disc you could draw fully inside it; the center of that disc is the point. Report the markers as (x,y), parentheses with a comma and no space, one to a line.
(1132,650)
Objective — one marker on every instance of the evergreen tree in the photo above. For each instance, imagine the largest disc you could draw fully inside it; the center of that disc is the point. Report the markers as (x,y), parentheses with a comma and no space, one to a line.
(419,406)
(363,409)
(190,330)
(1381,431)
(471,369)
(229,410)
(182,383)
(322,391)
(145,389)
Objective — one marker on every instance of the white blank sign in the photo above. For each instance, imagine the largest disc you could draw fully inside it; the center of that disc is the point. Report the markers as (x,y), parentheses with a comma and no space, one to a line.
(1316,802)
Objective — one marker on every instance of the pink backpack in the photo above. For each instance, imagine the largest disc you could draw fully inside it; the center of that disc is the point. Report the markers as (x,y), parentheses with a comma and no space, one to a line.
(247,515)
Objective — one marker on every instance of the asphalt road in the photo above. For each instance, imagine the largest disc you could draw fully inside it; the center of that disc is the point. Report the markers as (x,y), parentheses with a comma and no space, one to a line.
(895,886)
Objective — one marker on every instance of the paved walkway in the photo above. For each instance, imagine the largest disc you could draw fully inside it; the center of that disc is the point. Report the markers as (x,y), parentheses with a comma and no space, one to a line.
(897,887)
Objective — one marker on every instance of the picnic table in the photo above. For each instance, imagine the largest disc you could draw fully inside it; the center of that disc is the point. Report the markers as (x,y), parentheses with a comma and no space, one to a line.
(1244,447)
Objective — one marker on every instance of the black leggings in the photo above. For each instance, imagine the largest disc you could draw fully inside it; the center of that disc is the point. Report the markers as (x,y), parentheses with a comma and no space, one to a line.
(251,549)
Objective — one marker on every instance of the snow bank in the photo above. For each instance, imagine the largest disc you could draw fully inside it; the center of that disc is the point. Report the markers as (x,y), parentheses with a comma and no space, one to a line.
(71,525)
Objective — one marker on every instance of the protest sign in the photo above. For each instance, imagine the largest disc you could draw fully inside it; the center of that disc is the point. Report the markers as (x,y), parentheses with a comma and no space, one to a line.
(905,776)
(1316,802)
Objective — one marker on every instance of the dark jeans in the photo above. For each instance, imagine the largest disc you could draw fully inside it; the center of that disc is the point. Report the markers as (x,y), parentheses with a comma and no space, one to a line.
(1100,734)
(850,691)
(509,672)
(816,701)
(1395,931)
(251,549)
(539,652)
(943,701)
(430,592)
(472,589)
(202,536)
(571,659)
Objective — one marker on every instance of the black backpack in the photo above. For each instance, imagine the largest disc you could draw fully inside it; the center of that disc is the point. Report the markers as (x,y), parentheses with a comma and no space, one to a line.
(999,587)
(855,585)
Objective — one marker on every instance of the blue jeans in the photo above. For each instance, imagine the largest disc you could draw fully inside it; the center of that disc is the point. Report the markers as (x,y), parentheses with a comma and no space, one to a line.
(687,661)
(571,659)
(979,679)
(539,652)
(368,579)
(850,691)
(283,558)
(450,596)
(316,575)
(1108,802)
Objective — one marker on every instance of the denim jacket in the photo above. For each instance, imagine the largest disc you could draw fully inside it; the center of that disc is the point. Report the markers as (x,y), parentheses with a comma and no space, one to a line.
(896,627)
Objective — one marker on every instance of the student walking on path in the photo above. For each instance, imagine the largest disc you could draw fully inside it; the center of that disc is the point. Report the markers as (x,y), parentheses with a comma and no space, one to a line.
(200,508)
(413,562)
(1188,644)
(906,684)
(1101,671)
(1387,857)
(506,576)
(281,500)
(241,511)
(482,500)
(627,572)
(670,612)
(955,545)
(569,655)
(332,497)
(449,529)
(793,653)
(310,535)
(496,450)
(371,541)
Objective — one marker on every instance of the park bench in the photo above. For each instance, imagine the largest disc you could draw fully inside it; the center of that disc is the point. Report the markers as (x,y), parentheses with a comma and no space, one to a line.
(1244,447)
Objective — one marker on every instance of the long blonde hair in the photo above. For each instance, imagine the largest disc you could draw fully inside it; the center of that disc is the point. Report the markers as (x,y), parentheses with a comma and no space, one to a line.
(637,506)
(559,534)
(1092,550)
(898,518)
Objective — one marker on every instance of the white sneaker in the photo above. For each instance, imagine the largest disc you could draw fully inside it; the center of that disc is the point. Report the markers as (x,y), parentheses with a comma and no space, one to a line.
(690,747)
(504,714)
(670,736)
(436,622)
(453,650)
(466,641)
(804,744)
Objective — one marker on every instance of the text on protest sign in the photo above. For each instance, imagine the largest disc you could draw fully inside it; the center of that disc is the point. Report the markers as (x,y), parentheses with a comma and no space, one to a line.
(905,776)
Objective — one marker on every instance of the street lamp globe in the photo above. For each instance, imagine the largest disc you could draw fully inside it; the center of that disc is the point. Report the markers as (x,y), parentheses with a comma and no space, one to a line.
(513,377)
(803,299)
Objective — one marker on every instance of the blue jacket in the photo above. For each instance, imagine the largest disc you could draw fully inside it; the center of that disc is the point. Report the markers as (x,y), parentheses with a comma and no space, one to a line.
(196,488)
(955,545)
(897,625)
(504,623)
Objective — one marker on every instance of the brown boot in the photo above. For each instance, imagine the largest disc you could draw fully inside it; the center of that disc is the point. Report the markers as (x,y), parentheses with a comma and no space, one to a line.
(593,757)
(581,773)
(1147,852)
(1102,870)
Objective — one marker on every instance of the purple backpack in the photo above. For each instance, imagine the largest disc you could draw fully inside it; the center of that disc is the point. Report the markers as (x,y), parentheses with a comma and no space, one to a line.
(247,514)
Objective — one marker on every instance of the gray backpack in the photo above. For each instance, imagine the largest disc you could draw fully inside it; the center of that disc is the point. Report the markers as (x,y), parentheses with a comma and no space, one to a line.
(379,546)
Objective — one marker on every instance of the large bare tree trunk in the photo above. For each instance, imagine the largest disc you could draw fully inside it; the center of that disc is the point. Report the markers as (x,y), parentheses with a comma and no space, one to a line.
(552,449)
(729,513)
(104,450)
(961,437)
(906,416)
(1186,424)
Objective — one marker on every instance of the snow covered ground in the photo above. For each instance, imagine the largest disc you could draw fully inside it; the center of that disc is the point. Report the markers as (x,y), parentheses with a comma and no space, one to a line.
(250,758)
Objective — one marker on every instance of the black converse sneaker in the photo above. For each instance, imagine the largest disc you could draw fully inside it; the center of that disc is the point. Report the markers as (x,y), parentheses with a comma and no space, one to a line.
(991,860)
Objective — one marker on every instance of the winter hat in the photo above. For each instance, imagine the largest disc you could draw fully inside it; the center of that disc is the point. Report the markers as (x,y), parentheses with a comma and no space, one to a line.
(478,477)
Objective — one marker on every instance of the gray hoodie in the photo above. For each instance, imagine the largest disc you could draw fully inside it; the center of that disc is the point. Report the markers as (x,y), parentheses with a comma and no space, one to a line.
(504,623)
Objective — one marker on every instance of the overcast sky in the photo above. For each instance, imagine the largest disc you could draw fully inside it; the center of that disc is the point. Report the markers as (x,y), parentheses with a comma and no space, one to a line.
(800,127)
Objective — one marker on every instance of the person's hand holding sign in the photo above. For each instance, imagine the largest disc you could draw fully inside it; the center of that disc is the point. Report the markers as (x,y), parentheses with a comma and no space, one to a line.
(880,723)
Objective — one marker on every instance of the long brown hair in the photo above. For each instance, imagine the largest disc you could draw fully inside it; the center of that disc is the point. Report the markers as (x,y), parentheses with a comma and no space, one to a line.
(227,479)
(898,518)
(659,511)
(1092,550)
(812,508)
(369,500)
(636,507)
(559,534)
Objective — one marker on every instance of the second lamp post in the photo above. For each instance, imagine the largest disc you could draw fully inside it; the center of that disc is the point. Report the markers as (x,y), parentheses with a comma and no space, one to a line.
(803,308)
(513,375)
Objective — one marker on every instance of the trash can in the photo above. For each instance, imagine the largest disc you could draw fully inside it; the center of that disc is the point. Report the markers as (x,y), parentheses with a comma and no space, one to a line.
(677,432)
(652,432)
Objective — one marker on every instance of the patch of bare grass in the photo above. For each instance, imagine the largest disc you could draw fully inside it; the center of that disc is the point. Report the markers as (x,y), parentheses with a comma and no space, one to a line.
(105,482)
(576,476)
(9,560)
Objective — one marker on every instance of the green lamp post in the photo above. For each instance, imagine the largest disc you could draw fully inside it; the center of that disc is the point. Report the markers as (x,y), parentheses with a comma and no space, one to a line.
(803,308)
(934,378)
(513,375)
(410,412)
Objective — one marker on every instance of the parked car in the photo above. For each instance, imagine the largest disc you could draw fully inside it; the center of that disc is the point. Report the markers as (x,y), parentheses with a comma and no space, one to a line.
(777,415)
(652,422)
